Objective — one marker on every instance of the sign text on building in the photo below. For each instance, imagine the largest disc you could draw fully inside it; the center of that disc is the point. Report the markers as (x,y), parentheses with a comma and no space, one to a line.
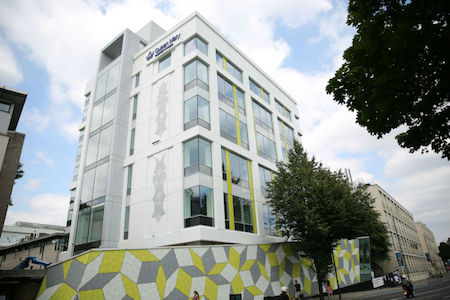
(163,47)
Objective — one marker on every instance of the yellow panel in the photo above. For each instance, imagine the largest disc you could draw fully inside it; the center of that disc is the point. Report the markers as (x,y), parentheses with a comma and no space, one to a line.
(307,285)
(306,262)
(336,260)
(130,288)
(296,270)
(265,247)
(345,242)
(230,195)
(263,271)
(254,290)
(64,292)
(161,281)
(43,287)
(112,261)
(343,271)
(217,269)
(83,258)
(234,258)
(273,260)
(91,295)
(183,282)
(237,284)
(358,278)
(252,196)
(224,63)
(210,289)
(338,250)
(288,249)
(197,261)
(143,255)
(347,255)
(93,255)
(333,282)
(66,267)
(281,269)
(236,115)
(247,265)
(262,93)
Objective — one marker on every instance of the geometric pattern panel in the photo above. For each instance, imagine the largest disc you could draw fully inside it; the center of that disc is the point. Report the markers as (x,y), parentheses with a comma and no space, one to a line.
(254,271)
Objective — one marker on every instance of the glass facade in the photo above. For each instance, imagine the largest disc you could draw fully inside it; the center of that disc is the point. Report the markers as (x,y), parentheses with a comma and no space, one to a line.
(263,117)
(242,213)
(286,138)
(196,112)
(238,169)
(107,82)
(283,110)
(197,157)
(195,43)
(229,94)
(258,90)
(196,74)
(127,204)
(266,147)
(265,176)
(137,79)
(270,224)
(198,206)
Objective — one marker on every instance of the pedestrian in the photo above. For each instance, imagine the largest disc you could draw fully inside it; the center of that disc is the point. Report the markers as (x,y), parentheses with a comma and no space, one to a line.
(396,279)
(298,291)
(284,295)
(329,289)
(196,296)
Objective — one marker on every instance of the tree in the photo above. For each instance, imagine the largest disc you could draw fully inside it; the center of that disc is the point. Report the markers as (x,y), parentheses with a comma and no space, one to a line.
(396,73)
(19,172)
(317,207)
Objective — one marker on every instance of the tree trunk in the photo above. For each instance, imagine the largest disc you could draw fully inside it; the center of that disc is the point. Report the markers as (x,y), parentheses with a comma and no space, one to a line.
(319,283)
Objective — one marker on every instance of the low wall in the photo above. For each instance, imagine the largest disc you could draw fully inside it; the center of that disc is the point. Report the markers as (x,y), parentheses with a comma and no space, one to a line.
(254,271)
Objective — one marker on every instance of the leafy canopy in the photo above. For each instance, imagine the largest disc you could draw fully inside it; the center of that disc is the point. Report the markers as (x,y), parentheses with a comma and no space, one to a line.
(317,207)
(396,73)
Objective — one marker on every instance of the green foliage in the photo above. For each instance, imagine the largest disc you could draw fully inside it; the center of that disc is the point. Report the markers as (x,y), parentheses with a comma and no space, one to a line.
(20,172)
(396,73)
(444,251)
(318,207)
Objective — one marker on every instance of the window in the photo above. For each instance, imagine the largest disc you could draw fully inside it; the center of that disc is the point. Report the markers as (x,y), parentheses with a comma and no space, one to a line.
(132,135)
(164,62)
(195,43)
(98,146)
(196,112)
(229,93)
(103,112)
(286,138)
(135,103)
(127,204)
(196,74)
(258,90)
(265,176)
(137,79)
(283,110)
(89,225)
(94,184)
(262,116)
(242,212)
(198,206)
(227,65)
(107,82)
(197,157)
(266,147)
(270,225)
(238,169)
(229,130)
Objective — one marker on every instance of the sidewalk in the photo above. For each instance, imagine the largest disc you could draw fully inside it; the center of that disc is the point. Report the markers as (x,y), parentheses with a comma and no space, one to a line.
(383,291)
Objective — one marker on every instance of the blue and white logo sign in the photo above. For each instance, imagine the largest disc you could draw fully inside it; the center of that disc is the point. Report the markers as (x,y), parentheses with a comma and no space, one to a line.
(159,50)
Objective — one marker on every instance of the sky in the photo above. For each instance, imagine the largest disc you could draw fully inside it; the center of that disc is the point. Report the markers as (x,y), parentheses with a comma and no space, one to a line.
(50,49)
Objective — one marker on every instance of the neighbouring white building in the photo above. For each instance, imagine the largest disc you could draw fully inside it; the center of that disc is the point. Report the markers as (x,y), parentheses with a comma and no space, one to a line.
(180,133)
(24,231)
(430,249)
(403,236)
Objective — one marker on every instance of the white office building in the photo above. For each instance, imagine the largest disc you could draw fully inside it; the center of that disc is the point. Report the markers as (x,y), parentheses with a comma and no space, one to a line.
(180,133)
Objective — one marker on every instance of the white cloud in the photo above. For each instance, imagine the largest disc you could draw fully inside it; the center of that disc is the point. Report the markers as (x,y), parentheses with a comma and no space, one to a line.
(10,74)
(33,184)
(45,158)
(43,208)
(34,119)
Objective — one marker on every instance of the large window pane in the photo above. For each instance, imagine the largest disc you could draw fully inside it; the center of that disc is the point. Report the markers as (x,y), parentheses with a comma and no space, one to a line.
(100,91)
(190,46)
(91,155)
(234,166)
(244,132)
(205,152)
(108,110)
(190,72)
(203,109)
(231,125)
(202,72)
(190,109)
(240,99)
(237,209)
(164,63)
(113,77)
(198,206)
(96,120)
(83,226)
(243,169)
(190,153)
(101,174)
(202,46)
(95,230)
(206,198)
(247,212)
(88,186)
(105,142)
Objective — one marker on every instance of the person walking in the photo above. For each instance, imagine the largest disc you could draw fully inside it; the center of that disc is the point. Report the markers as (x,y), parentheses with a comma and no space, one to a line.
(298,291)
(196,296)
(329,289)
(284,295)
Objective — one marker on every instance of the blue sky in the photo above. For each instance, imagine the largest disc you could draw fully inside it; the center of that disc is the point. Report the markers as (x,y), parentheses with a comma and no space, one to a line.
(49,49)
